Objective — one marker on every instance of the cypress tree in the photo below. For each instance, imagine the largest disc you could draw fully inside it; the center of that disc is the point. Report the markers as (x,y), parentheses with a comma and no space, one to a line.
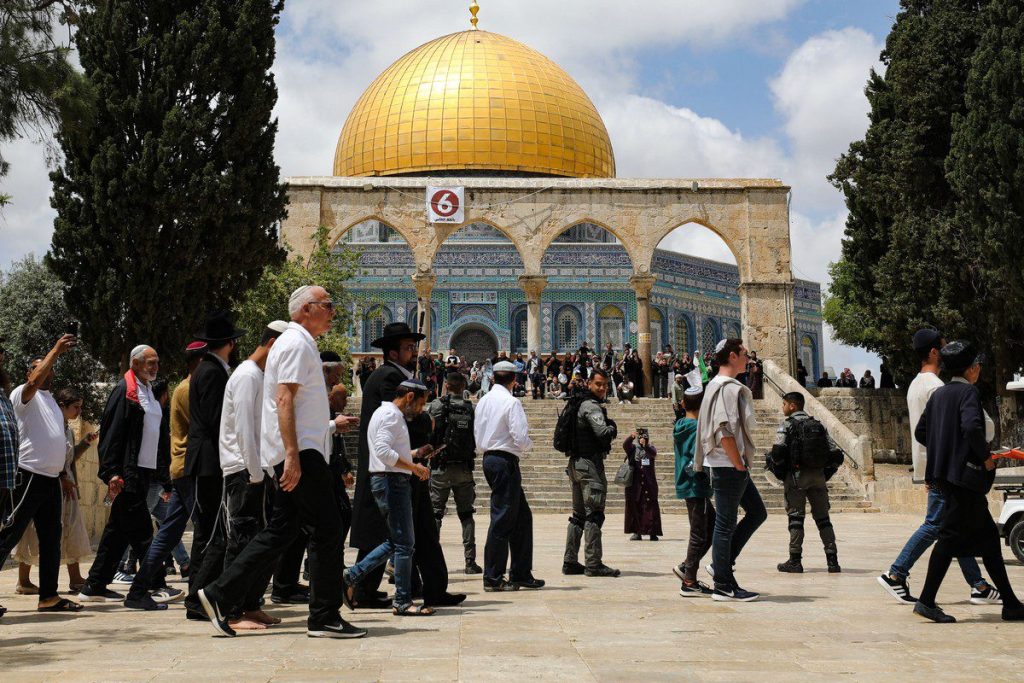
(902,257)
(986,168)
(168,201)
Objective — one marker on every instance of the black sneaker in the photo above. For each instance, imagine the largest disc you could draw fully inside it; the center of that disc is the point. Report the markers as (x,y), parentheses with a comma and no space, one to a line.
(88,594)
(473,568)
(298,595)
(529,583)
(572,568)
(218,619)
(680,572)
(694,590)
(733,594)
(897,589)
(1013,613)
(601,570)
(987,596)
(934,613)
(145,603)
(336,629)
(499,586)
(791,566)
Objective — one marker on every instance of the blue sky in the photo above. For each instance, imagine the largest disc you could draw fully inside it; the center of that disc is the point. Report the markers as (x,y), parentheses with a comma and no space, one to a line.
(687,88)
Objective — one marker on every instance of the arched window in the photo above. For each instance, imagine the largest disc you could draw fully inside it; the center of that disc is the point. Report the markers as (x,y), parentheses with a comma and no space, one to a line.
(734,331)
(681,337)
(611,322)
(373,325)
(372,232)
(708,336)
(567,329)
(808,356)
(520,337)
(657,322)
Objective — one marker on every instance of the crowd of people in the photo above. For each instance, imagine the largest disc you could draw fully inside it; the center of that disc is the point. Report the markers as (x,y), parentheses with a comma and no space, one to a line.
(253,454)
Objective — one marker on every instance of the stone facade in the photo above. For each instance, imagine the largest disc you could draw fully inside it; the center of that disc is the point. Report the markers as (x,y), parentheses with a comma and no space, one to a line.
(881,414)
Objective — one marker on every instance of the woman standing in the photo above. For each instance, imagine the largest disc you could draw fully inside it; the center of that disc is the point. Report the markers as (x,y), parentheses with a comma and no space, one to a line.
(486,377)
(74,542)
(956,431)
(634,370)
(643,515)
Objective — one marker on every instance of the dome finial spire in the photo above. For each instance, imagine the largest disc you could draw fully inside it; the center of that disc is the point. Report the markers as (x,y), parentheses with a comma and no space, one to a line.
(473,9)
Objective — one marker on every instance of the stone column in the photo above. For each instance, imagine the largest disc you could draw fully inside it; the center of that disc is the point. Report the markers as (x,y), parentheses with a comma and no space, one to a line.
(424,283)
(642,285)
(533,286)
(768,328)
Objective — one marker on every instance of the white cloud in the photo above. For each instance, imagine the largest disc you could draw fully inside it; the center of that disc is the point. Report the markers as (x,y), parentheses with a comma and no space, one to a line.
(27,222)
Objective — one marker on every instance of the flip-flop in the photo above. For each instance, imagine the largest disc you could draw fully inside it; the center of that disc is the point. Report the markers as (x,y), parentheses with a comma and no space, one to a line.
(414,611)
(62,605)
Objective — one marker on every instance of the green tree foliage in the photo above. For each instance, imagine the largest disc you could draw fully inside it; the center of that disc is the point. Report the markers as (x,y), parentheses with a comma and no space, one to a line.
(268,299)
(39,89)
(168,203)
(903,253)
(986,168)
(32,317)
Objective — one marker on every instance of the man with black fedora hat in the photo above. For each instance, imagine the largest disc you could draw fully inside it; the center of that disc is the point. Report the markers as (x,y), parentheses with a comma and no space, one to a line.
(398,344)
(202,457)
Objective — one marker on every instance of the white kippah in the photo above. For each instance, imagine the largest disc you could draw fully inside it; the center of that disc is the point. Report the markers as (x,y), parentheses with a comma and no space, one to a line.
(720,346)
(278,326)
(138,351)
(693,391)
(297,293)
(504,366)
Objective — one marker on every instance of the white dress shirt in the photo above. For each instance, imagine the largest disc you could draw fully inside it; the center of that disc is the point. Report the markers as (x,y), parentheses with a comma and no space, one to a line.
(388,439)
(500,423)
(294,359)
(240,421)
(154,415)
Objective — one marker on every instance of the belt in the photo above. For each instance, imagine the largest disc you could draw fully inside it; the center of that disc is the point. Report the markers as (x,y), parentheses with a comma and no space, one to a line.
(503,454)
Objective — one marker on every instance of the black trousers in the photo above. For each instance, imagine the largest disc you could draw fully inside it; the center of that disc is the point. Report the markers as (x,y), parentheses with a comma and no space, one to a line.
(289,566)
(208,538)
(310,504)
(701,514)
(428,557)
(129,524)
(245,505)
(37,499)
(511,529)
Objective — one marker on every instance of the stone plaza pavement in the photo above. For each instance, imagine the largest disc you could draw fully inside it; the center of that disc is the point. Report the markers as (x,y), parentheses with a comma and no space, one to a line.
(813,626)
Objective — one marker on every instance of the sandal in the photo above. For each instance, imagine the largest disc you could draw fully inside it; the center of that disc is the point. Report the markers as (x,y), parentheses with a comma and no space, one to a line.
(62,605)
(413,611)
(76,588)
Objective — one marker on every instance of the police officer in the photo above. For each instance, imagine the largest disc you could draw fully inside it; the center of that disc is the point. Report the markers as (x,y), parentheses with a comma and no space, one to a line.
(452,470)
(595,432)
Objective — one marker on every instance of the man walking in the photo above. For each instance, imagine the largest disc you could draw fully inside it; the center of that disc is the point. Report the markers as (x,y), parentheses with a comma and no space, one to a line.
(503,435)
(130,438)
(398,344)
(42,448)
(293,434)
(724,445)
(804,448)
(451,472)
(928,344)
(594,434)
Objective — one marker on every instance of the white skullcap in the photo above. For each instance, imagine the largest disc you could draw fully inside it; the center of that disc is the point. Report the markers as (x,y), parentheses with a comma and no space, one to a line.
(504,366)
(298,294)
(138,351)
(278,326)
(720,346)
(693,391)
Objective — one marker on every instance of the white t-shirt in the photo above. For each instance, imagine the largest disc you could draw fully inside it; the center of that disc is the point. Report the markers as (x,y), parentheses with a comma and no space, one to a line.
(294,359)
(388,438)
(918,393)
(41,430)
(150,427)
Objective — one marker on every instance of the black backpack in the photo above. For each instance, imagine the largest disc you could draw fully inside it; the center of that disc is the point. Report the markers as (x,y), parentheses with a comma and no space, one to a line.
(454,430)
(808,444)
(565,428)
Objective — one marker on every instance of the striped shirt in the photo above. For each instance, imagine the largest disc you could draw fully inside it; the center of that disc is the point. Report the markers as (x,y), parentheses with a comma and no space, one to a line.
(9,442)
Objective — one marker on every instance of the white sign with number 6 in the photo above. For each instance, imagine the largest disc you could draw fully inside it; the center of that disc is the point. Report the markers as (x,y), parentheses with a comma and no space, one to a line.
(445,205)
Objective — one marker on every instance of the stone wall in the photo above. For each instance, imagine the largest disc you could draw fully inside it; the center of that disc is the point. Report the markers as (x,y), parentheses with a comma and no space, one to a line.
(881,414)
(91,489)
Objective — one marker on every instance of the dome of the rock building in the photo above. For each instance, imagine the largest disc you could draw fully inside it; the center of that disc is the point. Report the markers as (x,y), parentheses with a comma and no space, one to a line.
(474,103)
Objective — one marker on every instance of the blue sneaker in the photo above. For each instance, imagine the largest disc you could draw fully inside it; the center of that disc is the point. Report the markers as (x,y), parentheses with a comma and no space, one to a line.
(734,594)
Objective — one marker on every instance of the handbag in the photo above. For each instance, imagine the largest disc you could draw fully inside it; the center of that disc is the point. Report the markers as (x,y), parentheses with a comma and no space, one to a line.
(624,475)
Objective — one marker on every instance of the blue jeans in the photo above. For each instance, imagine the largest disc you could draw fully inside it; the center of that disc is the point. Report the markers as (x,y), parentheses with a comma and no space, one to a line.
(159,508)
(733,490)
(179,511)
(925,536)
(393,494)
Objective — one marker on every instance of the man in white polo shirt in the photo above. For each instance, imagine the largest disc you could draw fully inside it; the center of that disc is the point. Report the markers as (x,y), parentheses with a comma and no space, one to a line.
(37,497)
(293,434)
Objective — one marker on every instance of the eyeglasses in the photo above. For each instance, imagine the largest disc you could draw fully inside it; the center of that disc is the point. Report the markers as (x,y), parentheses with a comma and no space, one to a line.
(328,304)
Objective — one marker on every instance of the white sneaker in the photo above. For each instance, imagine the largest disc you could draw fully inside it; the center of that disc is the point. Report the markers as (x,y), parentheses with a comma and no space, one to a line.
(989,596)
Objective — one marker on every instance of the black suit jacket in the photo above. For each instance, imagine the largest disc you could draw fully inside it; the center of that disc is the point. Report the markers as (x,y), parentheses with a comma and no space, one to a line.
(368,527)
(205,401)
(952,428)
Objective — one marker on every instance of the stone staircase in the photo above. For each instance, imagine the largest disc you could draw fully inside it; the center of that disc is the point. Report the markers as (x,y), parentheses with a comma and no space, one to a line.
(547,487)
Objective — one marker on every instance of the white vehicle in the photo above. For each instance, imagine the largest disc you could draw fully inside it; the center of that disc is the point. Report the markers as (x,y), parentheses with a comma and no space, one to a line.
(1011,519)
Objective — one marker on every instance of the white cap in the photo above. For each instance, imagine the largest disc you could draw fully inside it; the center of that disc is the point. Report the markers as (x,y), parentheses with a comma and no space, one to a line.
(693,391)
(278,326)
(504,366)
(720,346)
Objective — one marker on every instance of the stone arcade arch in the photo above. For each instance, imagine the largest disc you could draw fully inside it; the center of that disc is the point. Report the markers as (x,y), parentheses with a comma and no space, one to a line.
(750,215)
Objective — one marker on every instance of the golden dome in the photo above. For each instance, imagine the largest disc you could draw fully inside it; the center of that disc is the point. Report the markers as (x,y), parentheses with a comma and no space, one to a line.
(474,101)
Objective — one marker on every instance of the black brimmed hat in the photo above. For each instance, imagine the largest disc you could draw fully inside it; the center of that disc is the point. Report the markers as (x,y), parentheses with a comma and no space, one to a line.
(218,328)
(394,333)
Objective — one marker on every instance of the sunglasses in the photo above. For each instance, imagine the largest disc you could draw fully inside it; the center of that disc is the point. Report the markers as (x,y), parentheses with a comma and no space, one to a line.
(328,304)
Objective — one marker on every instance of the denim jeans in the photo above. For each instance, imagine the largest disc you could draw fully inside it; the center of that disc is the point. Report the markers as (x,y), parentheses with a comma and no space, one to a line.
(393,493)
(158,508)
(179,511)
(925,536)
(733,490)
